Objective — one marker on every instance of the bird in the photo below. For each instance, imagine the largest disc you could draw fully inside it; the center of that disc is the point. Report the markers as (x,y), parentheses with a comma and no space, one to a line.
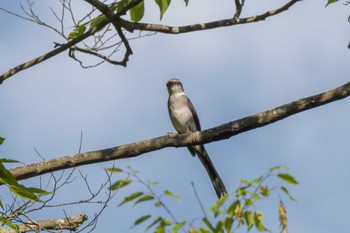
(185,119)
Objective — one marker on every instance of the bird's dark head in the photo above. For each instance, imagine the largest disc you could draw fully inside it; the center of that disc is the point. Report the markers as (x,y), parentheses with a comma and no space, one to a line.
(174,85)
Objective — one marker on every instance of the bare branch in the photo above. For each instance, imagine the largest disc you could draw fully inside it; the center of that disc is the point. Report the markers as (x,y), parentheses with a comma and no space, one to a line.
(70,223)
(218,133)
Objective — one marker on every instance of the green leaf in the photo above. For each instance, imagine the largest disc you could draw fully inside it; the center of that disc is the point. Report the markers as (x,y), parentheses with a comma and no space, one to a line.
(23,192)
(186,2)
(96,21)
(113,169)
(120,184)
(287,178)
(163,6)
(208,224)
(143,199)
(78,31)
(219,227)
(170,194)
(178,226)
(255,196)
(231,211)
(249,219)
(6,176)
(4,160)
(241,191)
(257,180)
(157,220)
(203,230)
(264,190)
(158,204)
(137,12)
(285,190)
(245,182)
(258,219)
(274,168)
(2,140)
(228,224)
(131,197)
(9,224)
(219,203)
(249,202)
(330,2)
(142,219)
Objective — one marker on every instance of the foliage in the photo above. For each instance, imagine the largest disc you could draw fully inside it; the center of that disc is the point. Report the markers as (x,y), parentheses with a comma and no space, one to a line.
(6,178)
(228,213)
(136,14)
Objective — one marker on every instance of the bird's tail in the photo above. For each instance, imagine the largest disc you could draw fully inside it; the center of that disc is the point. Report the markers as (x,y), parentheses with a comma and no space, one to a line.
(219,186)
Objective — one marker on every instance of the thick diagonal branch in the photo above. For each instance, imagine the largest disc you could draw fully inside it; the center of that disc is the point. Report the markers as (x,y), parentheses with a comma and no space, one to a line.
(220,132)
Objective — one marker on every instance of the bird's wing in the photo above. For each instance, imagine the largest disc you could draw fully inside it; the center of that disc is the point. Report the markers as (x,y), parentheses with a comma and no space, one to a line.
(195,116)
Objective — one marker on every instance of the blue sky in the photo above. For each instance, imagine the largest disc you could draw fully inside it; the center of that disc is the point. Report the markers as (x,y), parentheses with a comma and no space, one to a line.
(228,73)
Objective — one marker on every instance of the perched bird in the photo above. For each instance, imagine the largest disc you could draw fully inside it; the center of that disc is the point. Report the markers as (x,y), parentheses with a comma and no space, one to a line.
(184,118)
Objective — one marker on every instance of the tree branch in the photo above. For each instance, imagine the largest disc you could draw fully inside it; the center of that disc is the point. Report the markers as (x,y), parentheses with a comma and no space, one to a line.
(130,26)
(70,223)
(218,133)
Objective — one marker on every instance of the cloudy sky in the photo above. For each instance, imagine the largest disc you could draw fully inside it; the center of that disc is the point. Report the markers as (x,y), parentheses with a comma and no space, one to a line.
(229,73)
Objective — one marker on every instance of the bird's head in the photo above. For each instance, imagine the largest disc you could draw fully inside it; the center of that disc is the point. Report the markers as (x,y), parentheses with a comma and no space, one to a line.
(174,86)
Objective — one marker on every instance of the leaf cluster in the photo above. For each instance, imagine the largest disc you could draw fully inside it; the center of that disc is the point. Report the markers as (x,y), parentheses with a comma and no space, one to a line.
(136,14)
(6,178)
(228,213)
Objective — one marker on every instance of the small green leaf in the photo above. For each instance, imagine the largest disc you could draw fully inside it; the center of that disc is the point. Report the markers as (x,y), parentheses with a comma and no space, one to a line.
(78,31)
(142,219)
(178,226)
(131,197)
(6,176)
(285,190)
(157,220)
(152,183)
(158,204)
(203,230)
(264,190)
(9,224)
(258,219)
(4,160)
(163,6)
(114,170)
(255,196)
(241,191)
(231,211)
(330,2)
(257,180)
(249,202)
(2,140)
(219,203)
(287,178)
(274,168)
(23,192)
(245,182)
(170,194)
(94,22)
(120,184)
(249,219)
(137,12)
(208,224)
(143,199)
(228,224)
(186,2)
